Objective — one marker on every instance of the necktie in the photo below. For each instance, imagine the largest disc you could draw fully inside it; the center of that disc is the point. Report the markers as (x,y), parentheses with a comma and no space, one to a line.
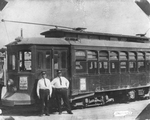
(45,83)
(60,80)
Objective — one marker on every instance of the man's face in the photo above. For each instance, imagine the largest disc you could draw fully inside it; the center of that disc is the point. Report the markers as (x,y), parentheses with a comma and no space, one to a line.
(44,75)
(59,74)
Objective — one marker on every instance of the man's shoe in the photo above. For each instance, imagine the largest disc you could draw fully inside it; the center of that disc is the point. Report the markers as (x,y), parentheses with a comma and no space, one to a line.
(42,114)
(60,113)
(70,112)
(47,114)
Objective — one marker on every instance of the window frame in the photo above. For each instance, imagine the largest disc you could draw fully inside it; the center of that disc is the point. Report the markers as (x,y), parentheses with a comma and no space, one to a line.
(10,61)
(132,54)
(123,57)
(22,60)
(147,61)
(114,62)
(80,57)
(92,62)
(103,58)
(139,54)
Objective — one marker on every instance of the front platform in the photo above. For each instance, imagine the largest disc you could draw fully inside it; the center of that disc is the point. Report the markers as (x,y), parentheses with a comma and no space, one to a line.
(12,99)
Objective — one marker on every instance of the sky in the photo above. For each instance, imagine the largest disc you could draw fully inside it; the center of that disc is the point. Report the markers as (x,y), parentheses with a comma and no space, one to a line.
(108,16)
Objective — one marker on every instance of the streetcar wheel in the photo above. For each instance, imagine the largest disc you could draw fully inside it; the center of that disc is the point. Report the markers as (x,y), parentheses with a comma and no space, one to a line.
(131,95)
(85,102)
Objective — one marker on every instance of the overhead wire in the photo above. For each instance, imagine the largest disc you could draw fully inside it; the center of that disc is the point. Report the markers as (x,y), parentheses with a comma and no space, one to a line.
(56,26)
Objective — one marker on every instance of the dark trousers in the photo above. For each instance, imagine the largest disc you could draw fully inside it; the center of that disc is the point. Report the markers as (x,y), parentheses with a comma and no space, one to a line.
(44,97)
(62,94)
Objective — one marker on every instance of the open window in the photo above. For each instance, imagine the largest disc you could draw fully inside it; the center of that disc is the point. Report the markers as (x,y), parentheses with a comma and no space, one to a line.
(148,61)
(60,59)
(80,63)
(48,59)
(123,62)
(141,61)
(25,60)
(132,62)
(92,58)
(40,61)
(44,59)
(12,61)
(103,62)
(114,62)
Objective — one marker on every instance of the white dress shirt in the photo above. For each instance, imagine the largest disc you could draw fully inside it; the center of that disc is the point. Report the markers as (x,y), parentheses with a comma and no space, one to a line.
(56,82)
(41,85)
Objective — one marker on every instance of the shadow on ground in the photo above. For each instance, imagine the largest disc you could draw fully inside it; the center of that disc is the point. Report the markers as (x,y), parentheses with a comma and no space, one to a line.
(145,114)
(20,111)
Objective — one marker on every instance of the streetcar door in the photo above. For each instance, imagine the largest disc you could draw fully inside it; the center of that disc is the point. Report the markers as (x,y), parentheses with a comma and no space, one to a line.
(60,62)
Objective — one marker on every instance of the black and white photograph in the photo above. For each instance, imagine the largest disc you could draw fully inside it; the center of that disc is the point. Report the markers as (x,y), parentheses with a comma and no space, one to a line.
(74,59)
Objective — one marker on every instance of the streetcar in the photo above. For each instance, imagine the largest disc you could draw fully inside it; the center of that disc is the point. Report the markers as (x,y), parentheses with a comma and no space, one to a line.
(99,66)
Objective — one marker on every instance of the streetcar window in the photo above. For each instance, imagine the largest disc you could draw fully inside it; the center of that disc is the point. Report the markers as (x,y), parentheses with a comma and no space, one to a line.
(80,64)
(103,64)
(131,39)
(1,67)
(114,39)
(148,61)
(71,35)
(25,60)
(92,55)
(141,66)
(132,66)
(104,38)
(48,60)
(141,63)
(103,67)
(113,55)
(123,56)
(80,55)
(132,56)
(63,59)
(123,66)
(140,56)
(12,62)
(123,39)
(103,55)
(114,63)
(40,62)
(92,62)
(114,67)
(93,37)
(83,36)
(148,56)
(56,56)
(148,65)
(92,67)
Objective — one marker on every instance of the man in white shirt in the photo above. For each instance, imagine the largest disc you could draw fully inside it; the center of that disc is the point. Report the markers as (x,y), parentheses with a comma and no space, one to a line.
(61,84)
(44,91)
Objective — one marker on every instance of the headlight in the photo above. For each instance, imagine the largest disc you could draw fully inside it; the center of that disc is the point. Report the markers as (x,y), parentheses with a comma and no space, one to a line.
(10,82)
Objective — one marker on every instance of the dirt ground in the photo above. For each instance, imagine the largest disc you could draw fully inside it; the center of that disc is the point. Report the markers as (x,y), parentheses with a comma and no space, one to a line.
(137,110)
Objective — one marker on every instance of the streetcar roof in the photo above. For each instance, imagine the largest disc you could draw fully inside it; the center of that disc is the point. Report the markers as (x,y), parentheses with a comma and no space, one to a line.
(80,42)
(107,43)
(39,41)
(78,32)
